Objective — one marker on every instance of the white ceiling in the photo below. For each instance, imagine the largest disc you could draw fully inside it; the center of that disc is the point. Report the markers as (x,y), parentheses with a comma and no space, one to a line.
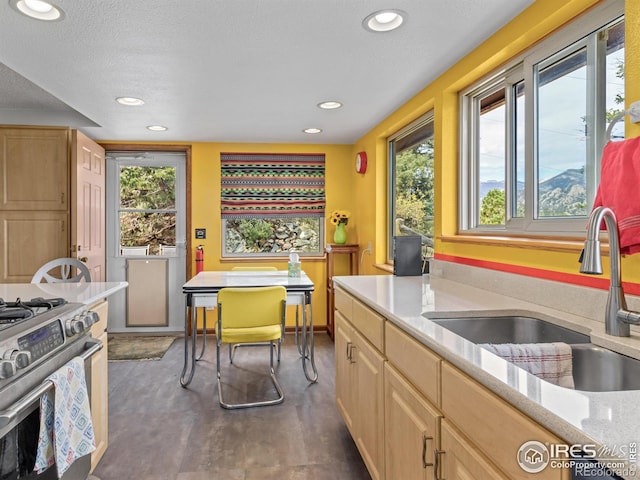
(230,70)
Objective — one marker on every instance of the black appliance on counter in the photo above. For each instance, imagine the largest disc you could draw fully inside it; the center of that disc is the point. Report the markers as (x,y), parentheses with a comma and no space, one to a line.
(37,337)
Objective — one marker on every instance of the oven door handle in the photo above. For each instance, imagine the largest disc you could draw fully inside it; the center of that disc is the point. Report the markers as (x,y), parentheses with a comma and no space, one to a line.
(6,416)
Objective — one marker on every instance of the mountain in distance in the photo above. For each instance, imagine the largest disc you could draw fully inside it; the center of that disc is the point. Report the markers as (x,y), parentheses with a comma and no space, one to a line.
(561,195)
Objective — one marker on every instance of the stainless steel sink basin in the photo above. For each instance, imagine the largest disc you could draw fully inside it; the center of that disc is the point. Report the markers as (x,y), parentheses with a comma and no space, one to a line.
(509,329)
(596,369)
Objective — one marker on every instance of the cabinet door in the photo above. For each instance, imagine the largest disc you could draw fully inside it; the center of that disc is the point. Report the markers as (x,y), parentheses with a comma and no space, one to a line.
(369,417)
(28,240)
(460,460)
(410,430)
(487,420)
(100,386)
(35,169)
(345,371)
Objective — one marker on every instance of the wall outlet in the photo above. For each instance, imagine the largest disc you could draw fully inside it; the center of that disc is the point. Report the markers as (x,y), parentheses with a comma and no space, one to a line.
(370,247)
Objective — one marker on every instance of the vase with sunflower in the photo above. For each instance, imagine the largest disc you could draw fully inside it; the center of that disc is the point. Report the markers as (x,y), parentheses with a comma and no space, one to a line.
(340,218)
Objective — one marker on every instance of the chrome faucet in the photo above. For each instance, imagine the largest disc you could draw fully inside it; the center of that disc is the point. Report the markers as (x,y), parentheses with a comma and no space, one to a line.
(617,317)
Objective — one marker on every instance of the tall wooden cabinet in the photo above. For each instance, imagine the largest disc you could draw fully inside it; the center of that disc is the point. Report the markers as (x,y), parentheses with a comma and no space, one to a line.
(38,201)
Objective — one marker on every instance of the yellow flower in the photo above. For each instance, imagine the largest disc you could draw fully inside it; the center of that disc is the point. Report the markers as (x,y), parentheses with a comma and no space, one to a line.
(340,216)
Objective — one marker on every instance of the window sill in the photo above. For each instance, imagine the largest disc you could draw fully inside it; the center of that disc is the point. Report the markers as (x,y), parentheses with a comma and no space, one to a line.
(534,243)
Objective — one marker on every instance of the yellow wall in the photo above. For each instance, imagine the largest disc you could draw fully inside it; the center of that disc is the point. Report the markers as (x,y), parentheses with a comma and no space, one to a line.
(205,207)
(441,96)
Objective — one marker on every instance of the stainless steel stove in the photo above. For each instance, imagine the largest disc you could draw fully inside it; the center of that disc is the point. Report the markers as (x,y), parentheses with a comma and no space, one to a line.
(37,337)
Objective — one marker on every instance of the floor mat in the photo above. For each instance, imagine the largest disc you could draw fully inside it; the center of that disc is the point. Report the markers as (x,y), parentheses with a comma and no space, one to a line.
(137,347)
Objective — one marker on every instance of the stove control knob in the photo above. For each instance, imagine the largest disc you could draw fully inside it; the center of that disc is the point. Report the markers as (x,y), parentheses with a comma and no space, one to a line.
(89,319)
(21,358)
(7,369)
(73,327)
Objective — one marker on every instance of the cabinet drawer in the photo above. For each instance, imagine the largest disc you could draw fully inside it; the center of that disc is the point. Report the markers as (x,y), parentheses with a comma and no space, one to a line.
(494,426)
(369,324)
(343,302)
(414,361)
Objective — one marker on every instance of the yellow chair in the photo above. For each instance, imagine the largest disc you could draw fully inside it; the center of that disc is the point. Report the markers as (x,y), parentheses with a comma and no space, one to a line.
(251,316)
(254,269)
(232,348)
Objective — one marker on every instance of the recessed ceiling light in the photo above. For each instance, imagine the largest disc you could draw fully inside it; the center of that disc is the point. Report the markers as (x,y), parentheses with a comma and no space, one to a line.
(329,105)
(130,101)
(38,9)
(157,128)
(384,20)
(312,130)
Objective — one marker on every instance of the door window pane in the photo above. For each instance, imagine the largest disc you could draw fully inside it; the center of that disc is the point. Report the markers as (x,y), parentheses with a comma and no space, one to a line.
(562,146)
(147,211)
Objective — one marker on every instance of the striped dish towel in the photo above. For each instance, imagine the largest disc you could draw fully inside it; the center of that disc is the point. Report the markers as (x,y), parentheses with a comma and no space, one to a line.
(66,431)
(552,362)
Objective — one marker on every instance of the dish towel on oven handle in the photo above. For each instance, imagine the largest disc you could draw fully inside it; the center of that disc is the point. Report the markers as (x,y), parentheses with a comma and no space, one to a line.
(618,190)
(552,362)
(66,431)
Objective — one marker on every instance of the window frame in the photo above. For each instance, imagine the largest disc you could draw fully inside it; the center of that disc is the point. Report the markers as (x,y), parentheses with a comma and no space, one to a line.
(407,130)
(581,33)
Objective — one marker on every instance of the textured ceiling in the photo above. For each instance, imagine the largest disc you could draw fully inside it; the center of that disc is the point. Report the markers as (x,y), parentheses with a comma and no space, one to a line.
(230,70)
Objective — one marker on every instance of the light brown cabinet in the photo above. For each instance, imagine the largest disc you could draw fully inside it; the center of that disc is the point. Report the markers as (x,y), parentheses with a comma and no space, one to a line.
(437,422)
(459,459)
(39,204)
(411,430)
(488,421)
(100,385)
(360,385)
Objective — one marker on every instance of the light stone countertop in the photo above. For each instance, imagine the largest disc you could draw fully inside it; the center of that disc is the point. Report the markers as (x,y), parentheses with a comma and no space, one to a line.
(83,292)
(607,419)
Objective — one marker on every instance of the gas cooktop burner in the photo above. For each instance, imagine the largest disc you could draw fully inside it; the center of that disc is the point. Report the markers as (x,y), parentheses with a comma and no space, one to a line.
(13,312)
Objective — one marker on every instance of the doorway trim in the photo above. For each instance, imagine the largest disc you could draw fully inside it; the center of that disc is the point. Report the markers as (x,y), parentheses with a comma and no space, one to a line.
(186,149)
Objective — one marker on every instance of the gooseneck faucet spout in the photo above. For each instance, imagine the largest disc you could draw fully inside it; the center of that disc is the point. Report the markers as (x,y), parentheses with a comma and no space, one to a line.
(617,317)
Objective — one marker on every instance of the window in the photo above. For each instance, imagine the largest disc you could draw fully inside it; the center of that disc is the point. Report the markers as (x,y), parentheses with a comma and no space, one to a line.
(147,212)
(411,183)
(272,204)
(533,133)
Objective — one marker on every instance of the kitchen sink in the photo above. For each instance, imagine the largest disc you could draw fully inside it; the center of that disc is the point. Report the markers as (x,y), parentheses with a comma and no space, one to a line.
(509,329)
(596,369)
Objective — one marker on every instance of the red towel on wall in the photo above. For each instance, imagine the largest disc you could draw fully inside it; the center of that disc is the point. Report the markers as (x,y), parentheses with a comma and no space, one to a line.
(620,190)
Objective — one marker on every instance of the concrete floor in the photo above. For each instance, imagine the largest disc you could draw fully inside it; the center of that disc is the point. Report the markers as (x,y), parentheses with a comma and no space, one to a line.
(161,431)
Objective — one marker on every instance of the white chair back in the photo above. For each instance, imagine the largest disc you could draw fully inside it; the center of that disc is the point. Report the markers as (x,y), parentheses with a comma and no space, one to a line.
(63,268)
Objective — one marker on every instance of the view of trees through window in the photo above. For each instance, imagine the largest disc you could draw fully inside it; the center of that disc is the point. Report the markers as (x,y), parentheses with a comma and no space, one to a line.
(147,207)
(413,177)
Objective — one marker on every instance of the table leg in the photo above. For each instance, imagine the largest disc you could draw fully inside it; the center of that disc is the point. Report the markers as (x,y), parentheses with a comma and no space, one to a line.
(312,378)
(204,333)
(298,339)
(189,362)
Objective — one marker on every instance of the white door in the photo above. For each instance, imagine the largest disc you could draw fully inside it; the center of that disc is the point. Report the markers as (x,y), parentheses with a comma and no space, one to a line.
(88,217)
(146,240)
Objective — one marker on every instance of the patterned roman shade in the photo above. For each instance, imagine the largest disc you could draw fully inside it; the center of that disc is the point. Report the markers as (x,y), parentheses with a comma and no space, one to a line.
(272,185)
